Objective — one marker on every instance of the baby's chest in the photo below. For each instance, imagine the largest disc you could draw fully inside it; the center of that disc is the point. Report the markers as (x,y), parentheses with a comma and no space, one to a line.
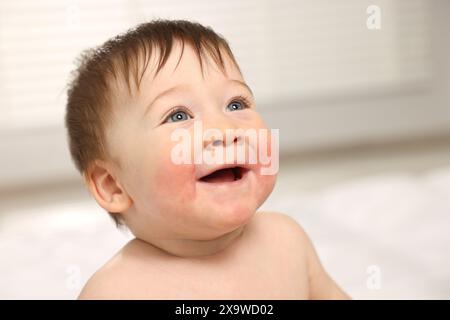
(256,278)
(260,282)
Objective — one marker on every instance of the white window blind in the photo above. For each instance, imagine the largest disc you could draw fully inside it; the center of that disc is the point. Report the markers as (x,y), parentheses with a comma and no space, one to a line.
(287,49)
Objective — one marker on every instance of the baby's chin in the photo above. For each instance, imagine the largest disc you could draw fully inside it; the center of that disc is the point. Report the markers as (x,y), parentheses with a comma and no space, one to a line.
(227,212)
(230,217)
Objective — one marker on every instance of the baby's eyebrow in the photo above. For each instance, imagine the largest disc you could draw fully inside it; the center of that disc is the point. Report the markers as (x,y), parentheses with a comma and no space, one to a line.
(161,94)
(242,83)
(183,87)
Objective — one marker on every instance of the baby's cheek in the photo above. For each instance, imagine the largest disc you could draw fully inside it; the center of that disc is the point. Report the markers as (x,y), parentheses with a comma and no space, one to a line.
(266,185)
(175,182)
(268,163)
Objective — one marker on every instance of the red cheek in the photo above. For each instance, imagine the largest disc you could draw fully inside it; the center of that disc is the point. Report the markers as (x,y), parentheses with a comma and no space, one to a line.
(265,150)
(175,180)
(266,144)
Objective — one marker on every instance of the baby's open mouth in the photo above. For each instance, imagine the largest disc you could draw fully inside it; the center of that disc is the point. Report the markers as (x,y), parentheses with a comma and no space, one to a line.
(225,175)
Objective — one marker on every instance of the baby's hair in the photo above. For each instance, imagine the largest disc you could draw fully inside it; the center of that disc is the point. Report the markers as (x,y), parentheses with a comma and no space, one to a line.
(125,58)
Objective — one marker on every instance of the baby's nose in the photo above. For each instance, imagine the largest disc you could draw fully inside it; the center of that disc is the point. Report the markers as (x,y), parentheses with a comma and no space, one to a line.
(219,131)
(224,140)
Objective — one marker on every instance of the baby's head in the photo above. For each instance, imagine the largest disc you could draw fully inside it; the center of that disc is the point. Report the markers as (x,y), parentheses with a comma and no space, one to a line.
(138,102)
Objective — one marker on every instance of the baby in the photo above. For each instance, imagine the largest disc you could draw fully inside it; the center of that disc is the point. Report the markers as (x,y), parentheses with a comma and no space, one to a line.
(197,232)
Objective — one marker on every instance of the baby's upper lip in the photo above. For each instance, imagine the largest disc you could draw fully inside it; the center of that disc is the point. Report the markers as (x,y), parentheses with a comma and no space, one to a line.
(204,170)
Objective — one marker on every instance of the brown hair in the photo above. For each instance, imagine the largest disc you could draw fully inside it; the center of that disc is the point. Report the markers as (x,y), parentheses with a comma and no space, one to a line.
(125,57)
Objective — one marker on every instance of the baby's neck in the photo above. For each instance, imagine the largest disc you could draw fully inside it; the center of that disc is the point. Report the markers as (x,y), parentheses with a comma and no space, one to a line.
(197,248)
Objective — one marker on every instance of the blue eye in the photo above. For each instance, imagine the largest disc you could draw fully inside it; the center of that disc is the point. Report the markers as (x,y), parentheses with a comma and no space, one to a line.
(178,115)
(235,105)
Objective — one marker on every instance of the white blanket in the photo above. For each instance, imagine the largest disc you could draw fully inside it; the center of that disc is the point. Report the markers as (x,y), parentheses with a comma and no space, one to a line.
(385,236)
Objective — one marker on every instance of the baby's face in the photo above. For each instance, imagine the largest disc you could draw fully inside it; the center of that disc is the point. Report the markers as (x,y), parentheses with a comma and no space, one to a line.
(173,200)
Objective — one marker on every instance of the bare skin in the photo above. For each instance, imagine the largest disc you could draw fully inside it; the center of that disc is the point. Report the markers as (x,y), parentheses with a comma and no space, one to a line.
(195,239)
(272,258)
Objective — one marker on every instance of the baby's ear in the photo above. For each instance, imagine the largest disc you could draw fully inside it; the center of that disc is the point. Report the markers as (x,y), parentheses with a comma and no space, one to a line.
(105,187)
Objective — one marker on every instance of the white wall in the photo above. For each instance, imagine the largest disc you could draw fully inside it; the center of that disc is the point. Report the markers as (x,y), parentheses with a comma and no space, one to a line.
(397,114)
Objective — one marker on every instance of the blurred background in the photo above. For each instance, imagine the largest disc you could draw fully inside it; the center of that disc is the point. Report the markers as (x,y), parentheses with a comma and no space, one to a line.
(359,89)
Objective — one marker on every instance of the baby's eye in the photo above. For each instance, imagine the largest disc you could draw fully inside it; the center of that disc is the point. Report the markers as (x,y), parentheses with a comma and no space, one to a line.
(236,105)
(178,115)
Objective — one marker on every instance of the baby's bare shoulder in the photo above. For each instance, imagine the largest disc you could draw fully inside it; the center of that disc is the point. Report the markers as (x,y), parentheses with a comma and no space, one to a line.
(105,283)
(282,225)
(115,279)
(321,285)
(275,231)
